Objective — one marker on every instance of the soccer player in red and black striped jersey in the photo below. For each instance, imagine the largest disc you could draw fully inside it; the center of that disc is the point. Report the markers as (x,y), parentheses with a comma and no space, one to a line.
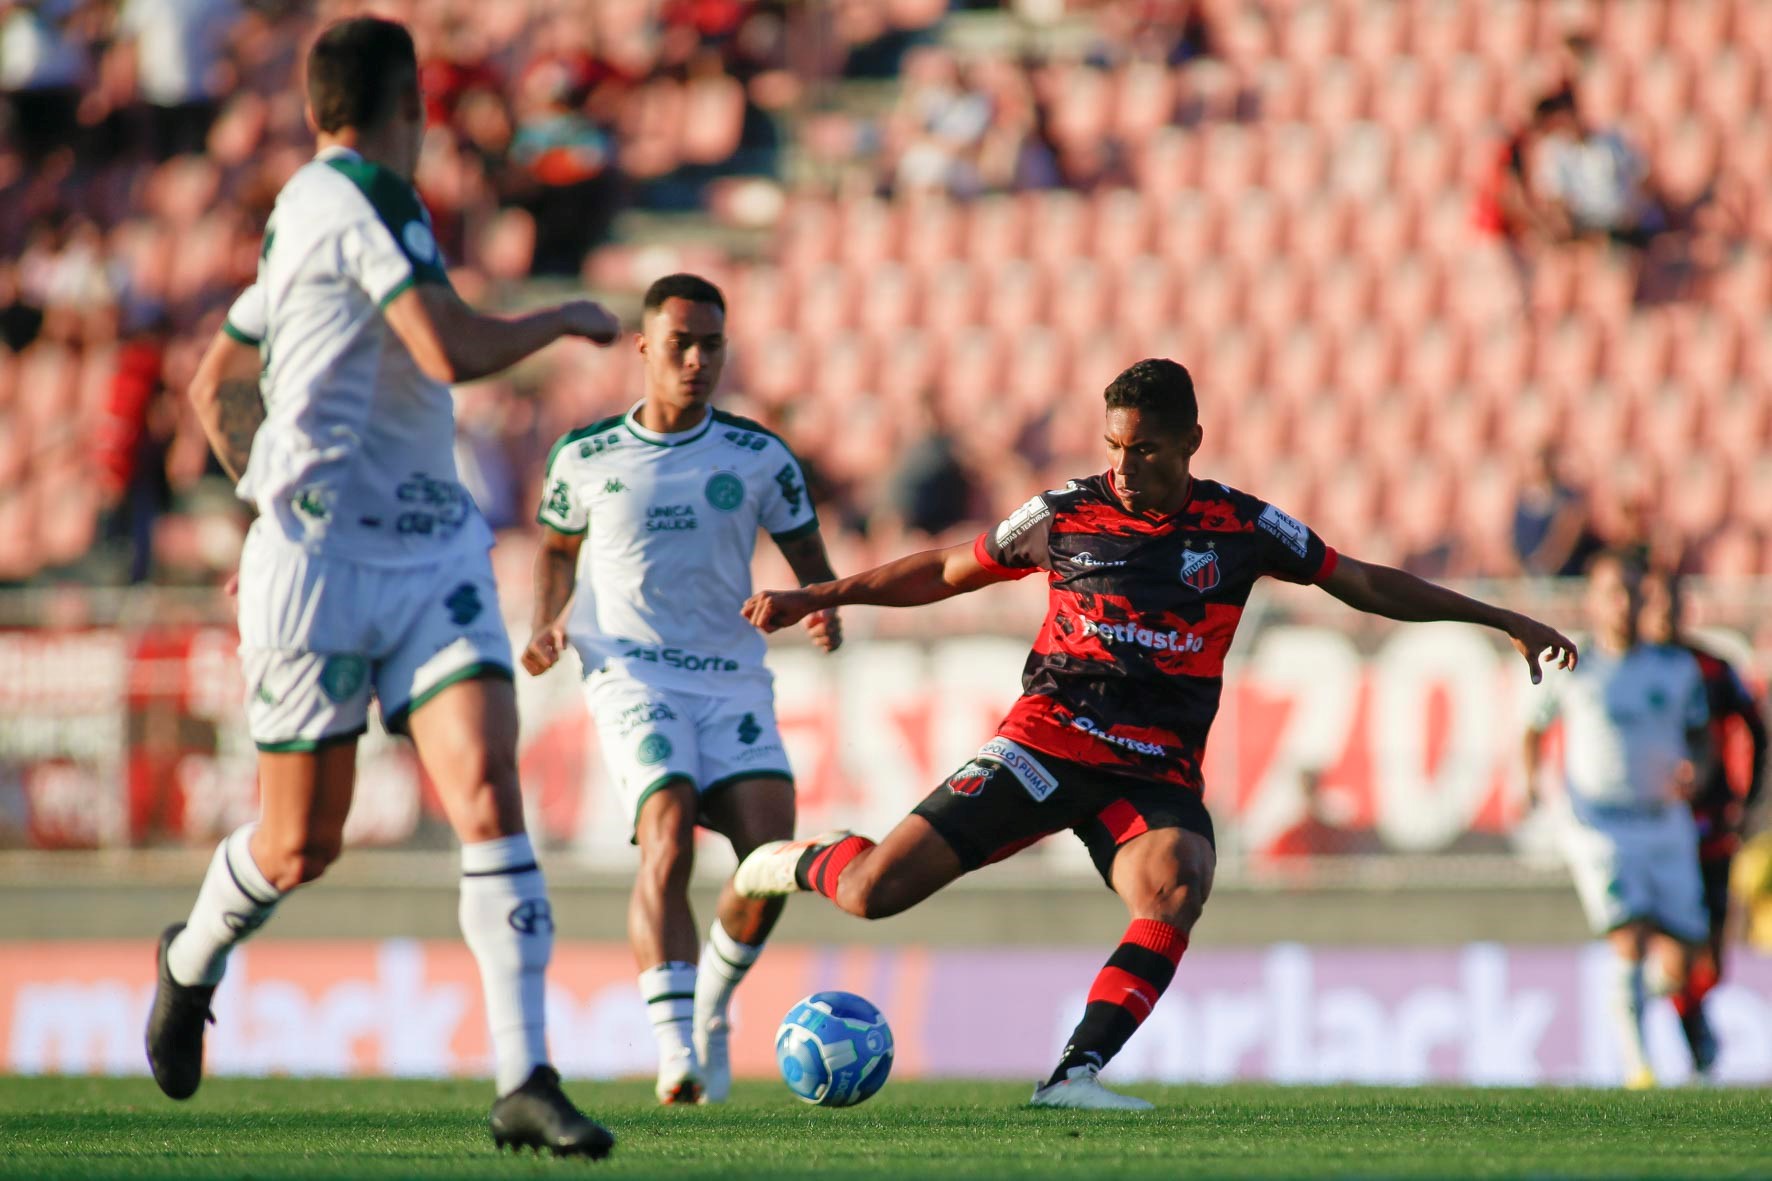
(1720,803)
(1149,569)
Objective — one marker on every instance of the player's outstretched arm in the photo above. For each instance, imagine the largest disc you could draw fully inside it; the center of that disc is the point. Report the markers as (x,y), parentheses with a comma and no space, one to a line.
(926,577)
(556,570)
(225,395)
(452,342)
(1396,594)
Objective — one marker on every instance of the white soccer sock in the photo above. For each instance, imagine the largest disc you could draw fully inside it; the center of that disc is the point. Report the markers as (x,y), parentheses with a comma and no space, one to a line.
(724,962)
(509,926)
(233,902)
(1627,1010)
(669,993)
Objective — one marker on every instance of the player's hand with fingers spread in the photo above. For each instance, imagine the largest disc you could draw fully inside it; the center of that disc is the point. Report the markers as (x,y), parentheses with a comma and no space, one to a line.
(770,611)
(825,629)
(591,320)
(1535,640)
(545,649)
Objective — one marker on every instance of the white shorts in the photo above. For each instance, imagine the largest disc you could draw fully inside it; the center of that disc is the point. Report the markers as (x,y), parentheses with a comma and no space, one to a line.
(1639,868)
(651,736)
(319,634)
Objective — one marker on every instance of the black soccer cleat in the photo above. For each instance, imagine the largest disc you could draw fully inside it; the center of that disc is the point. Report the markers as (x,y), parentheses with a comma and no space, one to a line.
(538,1115)
(175,1027)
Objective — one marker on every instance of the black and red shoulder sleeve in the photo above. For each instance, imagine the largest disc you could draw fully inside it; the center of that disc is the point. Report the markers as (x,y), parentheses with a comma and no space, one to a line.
(1289,549)
(1020,544)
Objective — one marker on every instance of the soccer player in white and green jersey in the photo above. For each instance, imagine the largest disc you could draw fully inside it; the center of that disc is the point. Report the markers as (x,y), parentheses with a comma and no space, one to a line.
(367,573)
(653,516)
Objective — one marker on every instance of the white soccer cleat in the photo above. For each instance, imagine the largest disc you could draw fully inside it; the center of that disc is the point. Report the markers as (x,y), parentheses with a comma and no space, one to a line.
(679,1080)
(713,1050)
(769,870)
(1082,1088)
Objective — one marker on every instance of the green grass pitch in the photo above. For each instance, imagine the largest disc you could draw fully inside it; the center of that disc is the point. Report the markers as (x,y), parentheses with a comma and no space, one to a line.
(288,1128)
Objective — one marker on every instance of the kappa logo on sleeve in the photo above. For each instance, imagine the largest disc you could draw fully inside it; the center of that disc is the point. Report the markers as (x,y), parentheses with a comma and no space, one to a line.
(1289,530)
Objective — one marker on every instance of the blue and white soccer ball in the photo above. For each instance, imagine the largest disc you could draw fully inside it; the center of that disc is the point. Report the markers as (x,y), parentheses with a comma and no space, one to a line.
(834,1049)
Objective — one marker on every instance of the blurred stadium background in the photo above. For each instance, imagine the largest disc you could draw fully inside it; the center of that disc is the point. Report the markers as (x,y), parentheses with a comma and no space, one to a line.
(1447,334)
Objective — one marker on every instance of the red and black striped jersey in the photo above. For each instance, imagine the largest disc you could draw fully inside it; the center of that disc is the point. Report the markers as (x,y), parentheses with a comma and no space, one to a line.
(1718,803)
(1127,670)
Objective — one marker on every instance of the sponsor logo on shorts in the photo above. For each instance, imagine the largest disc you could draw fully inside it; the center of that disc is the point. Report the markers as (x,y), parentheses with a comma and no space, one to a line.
(670,518)
(643,714)
(1039,782)
(464,604)
(1091,727)
(1144,637)
(532,917)
(342,676)
(1289,530)
(613,485)
(1199,569)
(653,749)
(724,491)
(677,658)
(748,729)
(970,779)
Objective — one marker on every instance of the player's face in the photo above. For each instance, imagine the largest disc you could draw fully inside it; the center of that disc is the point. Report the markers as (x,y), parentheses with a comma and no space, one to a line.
(1655,622)
(684,346)
(1150,461)
(1613,600)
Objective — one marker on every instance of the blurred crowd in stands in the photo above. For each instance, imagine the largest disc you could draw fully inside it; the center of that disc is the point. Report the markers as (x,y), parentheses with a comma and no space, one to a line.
(1470,286)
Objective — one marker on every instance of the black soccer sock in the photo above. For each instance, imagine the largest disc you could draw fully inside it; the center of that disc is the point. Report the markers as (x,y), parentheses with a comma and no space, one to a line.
(1124,994)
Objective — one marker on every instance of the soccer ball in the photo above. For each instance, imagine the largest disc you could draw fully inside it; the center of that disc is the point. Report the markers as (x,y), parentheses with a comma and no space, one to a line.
(834,1049)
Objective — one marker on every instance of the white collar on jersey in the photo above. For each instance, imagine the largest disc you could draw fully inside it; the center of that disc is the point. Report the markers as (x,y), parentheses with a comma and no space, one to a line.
(659,438)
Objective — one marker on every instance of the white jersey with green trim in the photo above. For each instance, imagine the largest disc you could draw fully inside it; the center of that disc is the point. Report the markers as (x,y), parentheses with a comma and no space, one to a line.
(670,524)
(1626,717)
(356,454)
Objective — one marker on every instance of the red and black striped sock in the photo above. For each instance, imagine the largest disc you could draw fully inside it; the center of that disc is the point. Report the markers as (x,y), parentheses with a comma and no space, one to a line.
(1124,994)
(821,865)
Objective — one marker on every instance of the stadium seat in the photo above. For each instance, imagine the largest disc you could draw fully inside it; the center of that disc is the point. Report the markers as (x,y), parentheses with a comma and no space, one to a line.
(1120,226)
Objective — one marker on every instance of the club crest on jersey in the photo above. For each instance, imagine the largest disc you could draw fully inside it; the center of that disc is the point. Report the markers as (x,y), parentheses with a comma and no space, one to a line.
(1199,569)
(970,779)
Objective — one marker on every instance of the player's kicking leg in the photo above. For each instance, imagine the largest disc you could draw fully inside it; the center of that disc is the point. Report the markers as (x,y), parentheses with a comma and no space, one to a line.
(749,812)
(304,798)
(661,930)
(466,735)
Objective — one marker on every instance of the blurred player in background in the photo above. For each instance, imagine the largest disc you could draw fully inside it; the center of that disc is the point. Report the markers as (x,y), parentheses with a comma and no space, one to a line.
(652,516)
(367,570)
(1722,801)
(1149,569)
(1635,749)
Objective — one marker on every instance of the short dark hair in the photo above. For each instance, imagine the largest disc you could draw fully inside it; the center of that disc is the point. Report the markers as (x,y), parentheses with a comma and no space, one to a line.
(1159,388)
(1629,561)
(682,285)
(355,70)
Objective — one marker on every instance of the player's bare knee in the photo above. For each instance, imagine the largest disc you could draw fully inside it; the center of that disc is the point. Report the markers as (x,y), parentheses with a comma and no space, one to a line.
(667,858)
(1178,902)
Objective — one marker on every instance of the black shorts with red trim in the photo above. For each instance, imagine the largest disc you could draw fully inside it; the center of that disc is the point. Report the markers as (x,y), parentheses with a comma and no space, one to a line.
(989,810)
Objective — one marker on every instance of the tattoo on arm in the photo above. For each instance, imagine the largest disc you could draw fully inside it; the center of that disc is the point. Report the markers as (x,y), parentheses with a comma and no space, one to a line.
(240,413)
(807,558)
